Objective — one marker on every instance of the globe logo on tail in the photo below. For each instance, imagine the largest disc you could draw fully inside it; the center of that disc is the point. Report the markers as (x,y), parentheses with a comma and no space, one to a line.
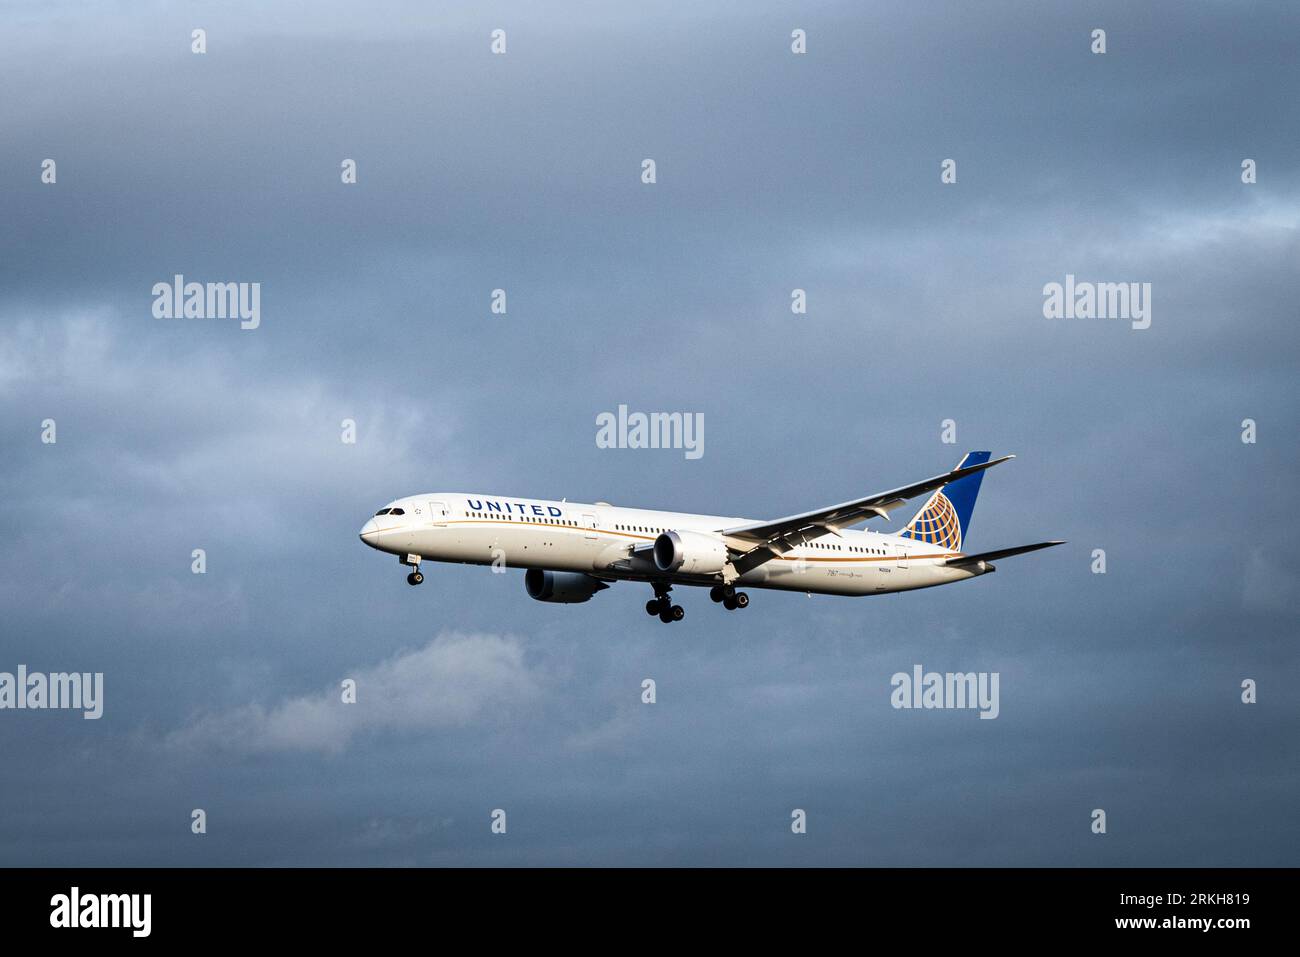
(937,524)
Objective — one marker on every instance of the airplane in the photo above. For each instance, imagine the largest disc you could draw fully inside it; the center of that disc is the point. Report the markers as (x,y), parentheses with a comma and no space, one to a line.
(572,550)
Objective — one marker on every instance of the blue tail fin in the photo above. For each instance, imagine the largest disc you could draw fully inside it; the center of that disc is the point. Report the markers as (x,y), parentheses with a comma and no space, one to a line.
(945,517)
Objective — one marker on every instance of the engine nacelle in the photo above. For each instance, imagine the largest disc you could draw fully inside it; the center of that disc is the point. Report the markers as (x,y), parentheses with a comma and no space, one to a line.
(690,553)
(565,588)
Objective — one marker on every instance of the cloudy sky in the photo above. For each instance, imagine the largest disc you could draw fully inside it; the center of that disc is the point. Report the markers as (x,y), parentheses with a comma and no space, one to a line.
(522,171)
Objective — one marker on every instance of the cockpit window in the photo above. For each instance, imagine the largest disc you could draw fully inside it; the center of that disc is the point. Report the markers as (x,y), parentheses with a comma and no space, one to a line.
(382,511)
(397,511)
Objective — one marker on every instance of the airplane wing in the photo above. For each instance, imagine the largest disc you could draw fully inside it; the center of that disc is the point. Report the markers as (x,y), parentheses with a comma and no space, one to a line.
(1000,553)
(760,542)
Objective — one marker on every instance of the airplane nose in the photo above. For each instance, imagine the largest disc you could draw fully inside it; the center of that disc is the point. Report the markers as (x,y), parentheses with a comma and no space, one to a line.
(370,533)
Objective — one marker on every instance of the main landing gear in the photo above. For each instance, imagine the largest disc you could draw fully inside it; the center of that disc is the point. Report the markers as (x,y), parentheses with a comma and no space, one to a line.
(663,606)
(730,598)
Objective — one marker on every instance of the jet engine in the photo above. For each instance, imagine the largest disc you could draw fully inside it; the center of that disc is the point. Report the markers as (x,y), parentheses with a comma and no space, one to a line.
(690,553)
(565,588)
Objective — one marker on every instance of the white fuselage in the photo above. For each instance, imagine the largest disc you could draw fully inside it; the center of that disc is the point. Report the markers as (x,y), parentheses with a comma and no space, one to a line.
(600,540)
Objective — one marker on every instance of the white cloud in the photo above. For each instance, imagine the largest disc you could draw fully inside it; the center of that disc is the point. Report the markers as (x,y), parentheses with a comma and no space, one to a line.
(456,680)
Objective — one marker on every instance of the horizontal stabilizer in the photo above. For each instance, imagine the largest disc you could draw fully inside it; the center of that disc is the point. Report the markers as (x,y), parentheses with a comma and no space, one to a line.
(1000,553)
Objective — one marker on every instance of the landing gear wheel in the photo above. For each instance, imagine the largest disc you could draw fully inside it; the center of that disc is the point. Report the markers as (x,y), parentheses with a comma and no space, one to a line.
(715,593)
(663,606)
(729,603)
(742,600)
(414,578)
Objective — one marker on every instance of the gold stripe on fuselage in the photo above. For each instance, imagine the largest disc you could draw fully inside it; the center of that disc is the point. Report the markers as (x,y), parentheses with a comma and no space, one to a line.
(651,538)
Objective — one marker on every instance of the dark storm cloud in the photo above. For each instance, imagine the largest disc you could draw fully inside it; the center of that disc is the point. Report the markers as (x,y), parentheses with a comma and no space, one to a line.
(775,172)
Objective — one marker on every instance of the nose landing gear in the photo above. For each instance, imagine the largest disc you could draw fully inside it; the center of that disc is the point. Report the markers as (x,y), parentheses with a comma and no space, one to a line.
(414,562)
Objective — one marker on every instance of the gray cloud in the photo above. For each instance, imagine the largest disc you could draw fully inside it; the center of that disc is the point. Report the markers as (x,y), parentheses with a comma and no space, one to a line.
(776,172)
